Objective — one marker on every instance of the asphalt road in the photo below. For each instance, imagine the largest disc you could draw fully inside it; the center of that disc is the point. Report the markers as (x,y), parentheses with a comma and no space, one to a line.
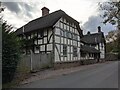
(103,75)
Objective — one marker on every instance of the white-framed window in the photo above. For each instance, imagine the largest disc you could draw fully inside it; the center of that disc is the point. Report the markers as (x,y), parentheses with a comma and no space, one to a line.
(67,34)
(60,24)
(74,51)
(76,37)
(65,50)
(64,33)
(65,26)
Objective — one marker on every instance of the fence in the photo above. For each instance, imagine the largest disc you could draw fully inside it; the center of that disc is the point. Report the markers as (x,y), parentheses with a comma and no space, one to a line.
(35,62)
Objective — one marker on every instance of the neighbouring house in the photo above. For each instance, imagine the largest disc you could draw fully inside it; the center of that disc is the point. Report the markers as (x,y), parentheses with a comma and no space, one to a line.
(55,33)
(93,45)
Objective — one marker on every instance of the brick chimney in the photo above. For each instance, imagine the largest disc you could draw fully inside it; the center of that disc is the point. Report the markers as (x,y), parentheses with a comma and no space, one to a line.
(45,11)
(99,29)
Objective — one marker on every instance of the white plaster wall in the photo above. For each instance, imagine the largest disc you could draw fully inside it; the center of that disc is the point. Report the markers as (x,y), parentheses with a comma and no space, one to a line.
(45,32)
(72,57)
(102,50)
(96,47)
(49,47)
(56,56)
(36,50)
(35,42)
(78,44)
(62,59)
(40,41)
(42,48)
(51,40)
(68,55)
(49,34)
(57,31)
(45,40)
(57,53)
(57,39)
(65,58)
(78,53)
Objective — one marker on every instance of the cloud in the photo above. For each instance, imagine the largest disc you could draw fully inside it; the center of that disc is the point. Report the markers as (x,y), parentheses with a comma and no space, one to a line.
(12,6)
(19,7)
(92,23)
(95,21)
(28,9)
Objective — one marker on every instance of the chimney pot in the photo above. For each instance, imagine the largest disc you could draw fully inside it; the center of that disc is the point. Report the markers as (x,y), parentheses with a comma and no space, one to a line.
(99,29)
(45,11)
(88,32)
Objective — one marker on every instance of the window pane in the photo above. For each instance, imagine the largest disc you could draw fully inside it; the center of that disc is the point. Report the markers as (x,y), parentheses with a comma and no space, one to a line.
(64,50)
(75,51)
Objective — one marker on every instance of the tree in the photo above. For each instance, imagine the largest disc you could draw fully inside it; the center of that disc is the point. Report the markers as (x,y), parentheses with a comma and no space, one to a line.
(10,50)
(112,15)
(10,53)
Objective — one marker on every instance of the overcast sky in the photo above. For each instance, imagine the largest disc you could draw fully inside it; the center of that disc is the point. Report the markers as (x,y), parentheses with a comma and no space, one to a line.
(18,13)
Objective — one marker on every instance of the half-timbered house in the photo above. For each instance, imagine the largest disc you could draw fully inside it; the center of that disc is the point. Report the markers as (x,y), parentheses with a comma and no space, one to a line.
(93,45)
(55,33)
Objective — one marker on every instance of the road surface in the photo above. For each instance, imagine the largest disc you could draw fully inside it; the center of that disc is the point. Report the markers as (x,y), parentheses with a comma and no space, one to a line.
(104,75)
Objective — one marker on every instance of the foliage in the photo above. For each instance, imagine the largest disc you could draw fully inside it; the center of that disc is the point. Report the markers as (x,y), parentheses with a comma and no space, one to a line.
(10,53)
(112,47)
(111,12)
(112,15)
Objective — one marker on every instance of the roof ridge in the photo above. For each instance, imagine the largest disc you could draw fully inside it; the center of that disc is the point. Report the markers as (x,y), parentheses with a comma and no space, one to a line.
(93,34)
(47,15)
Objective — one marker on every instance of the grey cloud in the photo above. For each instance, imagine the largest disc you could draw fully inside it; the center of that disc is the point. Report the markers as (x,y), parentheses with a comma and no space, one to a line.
(28,14)
(28,7)
(15,7)
(12,6)
(28,10)
(92,24)
(95,21)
